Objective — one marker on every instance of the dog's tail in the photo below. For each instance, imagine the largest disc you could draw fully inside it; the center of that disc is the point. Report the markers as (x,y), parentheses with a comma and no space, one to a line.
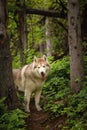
(23,76)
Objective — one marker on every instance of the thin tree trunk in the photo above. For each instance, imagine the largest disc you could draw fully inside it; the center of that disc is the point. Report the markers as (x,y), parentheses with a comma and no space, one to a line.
(75,47)
(22,30)
(48,37)
(41,47)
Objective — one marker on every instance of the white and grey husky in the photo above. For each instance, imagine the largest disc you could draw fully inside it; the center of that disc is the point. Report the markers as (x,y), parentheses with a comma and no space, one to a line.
(31,78)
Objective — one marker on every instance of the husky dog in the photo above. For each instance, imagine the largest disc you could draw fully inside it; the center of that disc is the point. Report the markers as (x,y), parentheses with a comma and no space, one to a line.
(31,78)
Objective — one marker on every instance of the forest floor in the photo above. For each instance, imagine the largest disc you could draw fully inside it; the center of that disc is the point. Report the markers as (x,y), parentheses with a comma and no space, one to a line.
(43,120)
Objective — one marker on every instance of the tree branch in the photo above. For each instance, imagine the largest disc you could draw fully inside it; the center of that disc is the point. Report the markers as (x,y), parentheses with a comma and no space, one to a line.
(49,13)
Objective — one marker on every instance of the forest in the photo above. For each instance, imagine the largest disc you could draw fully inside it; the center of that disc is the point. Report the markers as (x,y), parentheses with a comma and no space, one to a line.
(58,30)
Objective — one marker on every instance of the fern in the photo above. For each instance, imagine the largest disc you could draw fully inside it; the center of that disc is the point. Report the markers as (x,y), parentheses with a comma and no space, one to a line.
(11,120)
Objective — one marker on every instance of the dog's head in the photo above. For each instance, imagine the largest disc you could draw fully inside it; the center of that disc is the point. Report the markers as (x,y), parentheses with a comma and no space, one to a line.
(41,67)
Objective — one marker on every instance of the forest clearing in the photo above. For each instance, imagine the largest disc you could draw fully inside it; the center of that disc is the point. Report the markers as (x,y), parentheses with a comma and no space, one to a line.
(55,30)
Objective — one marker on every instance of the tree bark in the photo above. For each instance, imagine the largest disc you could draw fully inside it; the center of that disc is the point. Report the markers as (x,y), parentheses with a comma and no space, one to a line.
(48,37)
(22,30)
(41,47)
(75,47)
(49,13)
(7,88)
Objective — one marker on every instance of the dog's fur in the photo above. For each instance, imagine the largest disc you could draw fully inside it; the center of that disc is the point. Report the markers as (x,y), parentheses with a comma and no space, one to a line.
(31,78)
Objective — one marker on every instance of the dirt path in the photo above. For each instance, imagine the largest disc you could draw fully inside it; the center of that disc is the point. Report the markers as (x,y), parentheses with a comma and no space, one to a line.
(42,121)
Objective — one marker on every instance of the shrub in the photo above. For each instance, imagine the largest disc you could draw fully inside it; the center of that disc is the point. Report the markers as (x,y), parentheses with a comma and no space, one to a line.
(11,120)
(59,100)
(57,86)
(77,110)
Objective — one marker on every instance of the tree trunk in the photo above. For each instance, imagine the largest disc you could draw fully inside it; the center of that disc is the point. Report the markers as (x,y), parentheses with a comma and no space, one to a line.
(75,47)
(42,47)
(7,88)
(48,37)
(22,30)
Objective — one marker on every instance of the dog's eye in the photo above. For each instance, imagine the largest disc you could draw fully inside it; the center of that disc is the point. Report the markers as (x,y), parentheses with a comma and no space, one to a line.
(44,66)
(35,67)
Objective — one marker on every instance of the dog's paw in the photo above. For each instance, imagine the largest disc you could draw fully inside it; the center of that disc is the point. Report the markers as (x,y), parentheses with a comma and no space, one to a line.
(27,110)
(39,108)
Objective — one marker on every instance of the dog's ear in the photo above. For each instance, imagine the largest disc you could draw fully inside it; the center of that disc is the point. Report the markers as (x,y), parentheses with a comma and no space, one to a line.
(45,57)
(35,58)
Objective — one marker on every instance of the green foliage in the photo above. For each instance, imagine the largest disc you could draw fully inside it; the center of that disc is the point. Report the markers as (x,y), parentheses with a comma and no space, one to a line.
(60,102)
(11,120)
(3,108)
(57,86)
(16,62)
(77,110)
(29,54)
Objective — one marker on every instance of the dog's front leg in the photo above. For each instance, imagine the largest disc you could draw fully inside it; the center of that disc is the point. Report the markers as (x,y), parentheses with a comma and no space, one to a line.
(27,96)
(37,99)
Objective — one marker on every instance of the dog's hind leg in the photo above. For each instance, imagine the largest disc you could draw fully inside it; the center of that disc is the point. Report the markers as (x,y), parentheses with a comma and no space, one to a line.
(37,99)
(27,101)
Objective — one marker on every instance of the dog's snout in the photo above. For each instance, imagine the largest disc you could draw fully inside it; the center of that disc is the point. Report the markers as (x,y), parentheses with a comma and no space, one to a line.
(42,73)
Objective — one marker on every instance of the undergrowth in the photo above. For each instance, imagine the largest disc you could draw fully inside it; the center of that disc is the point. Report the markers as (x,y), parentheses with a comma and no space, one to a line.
(57,87)
(11,119)
(59,100)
